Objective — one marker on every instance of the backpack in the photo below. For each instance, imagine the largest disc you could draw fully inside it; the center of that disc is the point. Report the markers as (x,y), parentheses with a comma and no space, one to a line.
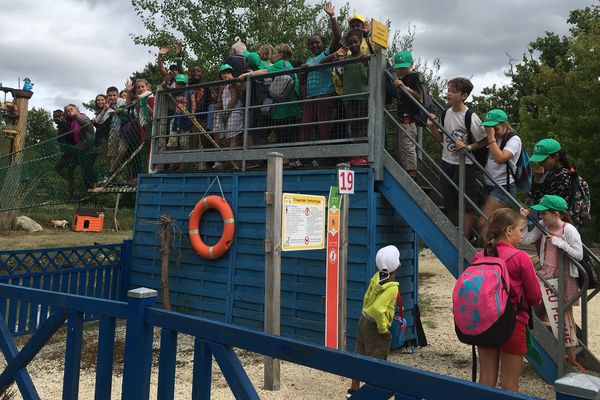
(483,313)
(579,200)
(282,87)
(421,117)
(523,175)
(481,154)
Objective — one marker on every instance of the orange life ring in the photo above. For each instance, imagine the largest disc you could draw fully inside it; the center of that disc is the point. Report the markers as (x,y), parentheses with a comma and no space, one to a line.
(221,205)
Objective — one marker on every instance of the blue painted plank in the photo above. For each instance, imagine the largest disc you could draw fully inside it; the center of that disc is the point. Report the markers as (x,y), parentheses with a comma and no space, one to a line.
(202,372)
(234,372)
(104,358)
(73,356)
(166,365)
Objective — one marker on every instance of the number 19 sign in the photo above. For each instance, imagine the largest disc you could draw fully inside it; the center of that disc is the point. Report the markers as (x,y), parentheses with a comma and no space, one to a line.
(346,181)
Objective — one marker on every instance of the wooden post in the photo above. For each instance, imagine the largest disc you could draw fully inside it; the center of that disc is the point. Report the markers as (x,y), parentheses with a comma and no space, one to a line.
(165,249)
(21,103)
(115,220)
(343,257)
(273,263)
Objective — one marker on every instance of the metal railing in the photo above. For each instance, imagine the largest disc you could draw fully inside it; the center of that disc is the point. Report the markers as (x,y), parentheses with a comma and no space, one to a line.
(324,126)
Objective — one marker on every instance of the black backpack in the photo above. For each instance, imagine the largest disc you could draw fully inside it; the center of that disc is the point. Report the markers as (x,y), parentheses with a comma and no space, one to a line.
(421,117)
(481,154)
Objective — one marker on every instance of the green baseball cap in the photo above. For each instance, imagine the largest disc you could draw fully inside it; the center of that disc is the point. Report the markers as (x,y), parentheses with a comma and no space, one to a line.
(181,78)
(225,67)
(494,117)
(403,59)
(543,149)
(551,202)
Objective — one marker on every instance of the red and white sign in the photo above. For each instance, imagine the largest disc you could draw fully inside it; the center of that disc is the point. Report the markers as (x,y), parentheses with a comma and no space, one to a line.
(551,305)
(332,277)
(346,181)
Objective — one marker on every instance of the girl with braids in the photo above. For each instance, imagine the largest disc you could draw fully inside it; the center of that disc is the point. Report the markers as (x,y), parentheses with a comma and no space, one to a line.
(503,233)
(561,236)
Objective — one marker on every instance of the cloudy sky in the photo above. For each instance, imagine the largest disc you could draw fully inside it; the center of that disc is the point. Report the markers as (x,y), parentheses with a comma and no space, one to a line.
(74,49)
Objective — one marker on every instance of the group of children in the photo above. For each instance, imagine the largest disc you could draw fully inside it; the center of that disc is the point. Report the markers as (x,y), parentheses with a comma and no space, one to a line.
(117,130)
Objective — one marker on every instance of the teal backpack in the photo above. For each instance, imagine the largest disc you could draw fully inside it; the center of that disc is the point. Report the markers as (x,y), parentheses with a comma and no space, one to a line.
(522,175)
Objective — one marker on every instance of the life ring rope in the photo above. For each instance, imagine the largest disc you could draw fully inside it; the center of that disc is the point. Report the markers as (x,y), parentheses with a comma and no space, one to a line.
(222,246)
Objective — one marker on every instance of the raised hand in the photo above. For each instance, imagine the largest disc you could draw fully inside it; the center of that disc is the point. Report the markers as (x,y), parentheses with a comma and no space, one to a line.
(164,50)
(341,52)
(329,9)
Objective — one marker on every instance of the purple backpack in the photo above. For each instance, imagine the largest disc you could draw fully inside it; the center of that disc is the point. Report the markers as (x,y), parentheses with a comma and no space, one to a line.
(483,313)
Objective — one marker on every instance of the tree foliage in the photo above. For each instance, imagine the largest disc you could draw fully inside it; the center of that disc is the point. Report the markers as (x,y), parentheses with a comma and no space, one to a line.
(554,92)
(40,126)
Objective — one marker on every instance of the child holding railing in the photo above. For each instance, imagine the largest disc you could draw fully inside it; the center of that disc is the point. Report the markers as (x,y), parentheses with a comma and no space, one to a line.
(562,237)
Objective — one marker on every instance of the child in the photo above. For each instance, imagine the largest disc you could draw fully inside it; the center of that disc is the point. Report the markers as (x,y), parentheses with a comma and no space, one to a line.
(561,236)
(374,337)
(181,125)
(233,115)
(454,123)
(319,86)
(504,231)
(501,152)
(356,80)
(407,110)
(101,122)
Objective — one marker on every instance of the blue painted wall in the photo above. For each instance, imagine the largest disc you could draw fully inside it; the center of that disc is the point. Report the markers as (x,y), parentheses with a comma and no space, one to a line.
(231,289)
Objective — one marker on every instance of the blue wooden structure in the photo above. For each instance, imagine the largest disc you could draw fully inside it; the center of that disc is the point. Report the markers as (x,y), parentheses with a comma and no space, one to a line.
(212,339)
(231,289)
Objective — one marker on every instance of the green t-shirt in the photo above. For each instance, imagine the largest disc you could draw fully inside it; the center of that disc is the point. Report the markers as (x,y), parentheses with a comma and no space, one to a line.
(356,79)
(254,60)
(286,110)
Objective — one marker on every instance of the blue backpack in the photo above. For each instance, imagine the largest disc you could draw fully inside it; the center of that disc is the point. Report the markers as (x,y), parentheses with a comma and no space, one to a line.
(522,175)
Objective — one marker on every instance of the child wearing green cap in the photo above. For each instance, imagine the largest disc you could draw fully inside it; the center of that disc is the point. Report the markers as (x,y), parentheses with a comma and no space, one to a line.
(562,237)
(407,110)
(553,174)
(504,145)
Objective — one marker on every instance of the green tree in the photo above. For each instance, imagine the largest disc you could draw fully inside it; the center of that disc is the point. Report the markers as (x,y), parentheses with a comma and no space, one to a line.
(40,126)
(208,29)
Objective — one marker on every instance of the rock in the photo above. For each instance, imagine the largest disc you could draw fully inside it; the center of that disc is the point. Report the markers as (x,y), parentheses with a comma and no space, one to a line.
(27,224)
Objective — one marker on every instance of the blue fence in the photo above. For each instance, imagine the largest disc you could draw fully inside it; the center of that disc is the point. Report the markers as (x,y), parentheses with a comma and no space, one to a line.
(100,271)
(212,339)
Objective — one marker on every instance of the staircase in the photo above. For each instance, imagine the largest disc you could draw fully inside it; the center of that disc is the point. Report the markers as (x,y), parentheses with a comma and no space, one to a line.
(416,203)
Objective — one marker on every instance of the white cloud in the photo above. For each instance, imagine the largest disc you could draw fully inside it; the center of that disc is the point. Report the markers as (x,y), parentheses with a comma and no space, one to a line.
(74,49)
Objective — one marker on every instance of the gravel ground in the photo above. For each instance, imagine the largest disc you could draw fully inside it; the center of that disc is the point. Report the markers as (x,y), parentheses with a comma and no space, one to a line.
(444,355)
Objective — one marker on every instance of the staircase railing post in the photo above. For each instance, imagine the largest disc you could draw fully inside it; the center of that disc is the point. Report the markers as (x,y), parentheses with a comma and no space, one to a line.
(560,354)
(376,124)
(137,360)
(461,212)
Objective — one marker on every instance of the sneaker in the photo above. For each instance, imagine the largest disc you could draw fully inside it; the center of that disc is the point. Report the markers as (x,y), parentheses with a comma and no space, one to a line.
(295,164)
(315,164)
(349,393)
(218,165)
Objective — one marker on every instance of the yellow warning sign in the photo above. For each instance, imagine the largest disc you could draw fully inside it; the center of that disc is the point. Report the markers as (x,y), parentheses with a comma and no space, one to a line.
(380,33)
(303,222)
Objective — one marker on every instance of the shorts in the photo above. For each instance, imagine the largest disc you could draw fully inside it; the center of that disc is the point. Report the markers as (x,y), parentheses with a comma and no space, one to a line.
(516,344)
(493,191)
(370,342)
(407,149)
(450,195)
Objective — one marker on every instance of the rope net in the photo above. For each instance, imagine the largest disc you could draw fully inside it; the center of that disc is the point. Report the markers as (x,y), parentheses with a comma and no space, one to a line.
(85,159)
